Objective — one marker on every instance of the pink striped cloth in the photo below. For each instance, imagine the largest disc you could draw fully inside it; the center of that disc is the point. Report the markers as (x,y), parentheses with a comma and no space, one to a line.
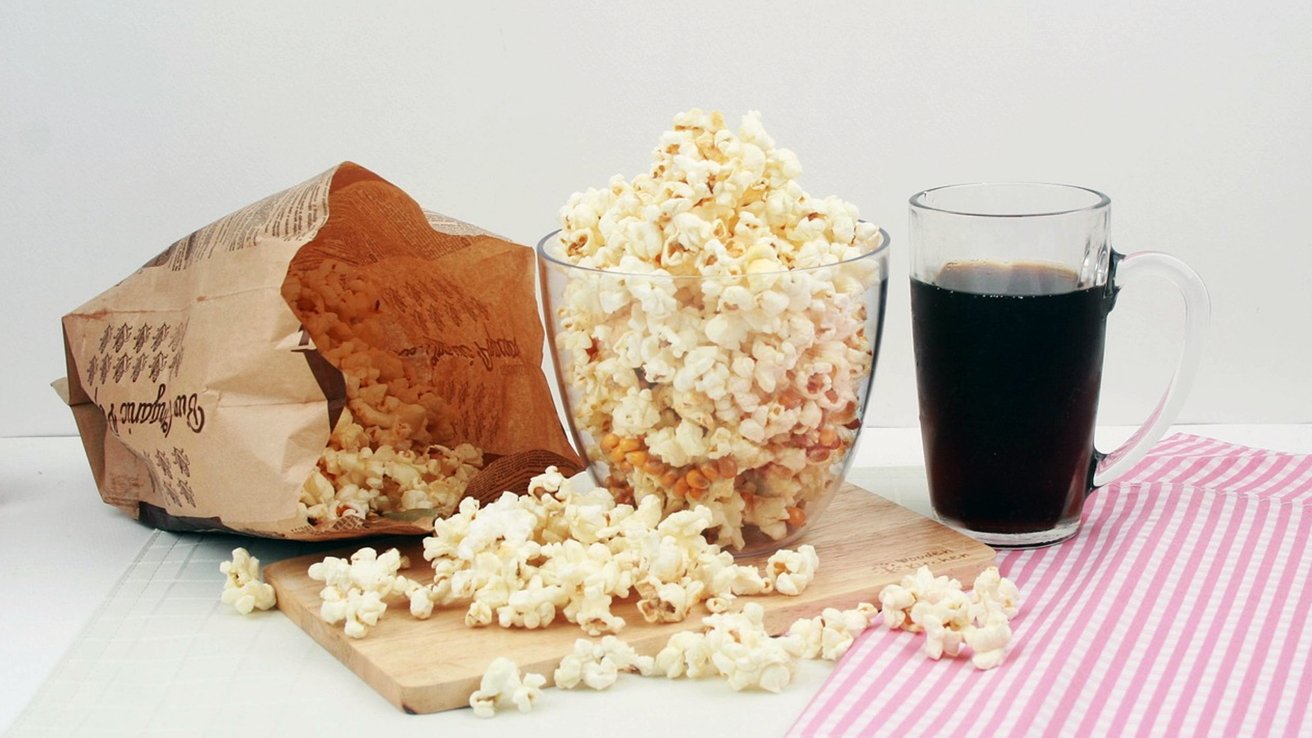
(1183,607)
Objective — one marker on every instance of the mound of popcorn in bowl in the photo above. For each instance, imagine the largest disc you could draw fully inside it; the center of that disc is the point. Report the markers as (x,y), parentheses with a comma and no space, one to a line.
(715,330)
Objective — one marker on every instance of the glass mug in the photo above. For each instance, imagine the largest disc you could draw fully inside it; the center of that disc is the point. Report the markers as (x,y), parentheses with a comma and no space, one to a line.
(1011,284)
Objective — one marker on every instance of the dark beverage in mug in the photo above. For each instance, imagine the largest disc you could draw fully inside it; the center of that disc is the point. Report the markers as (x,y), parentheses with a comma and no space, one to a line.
(1011,283)
(1008,367)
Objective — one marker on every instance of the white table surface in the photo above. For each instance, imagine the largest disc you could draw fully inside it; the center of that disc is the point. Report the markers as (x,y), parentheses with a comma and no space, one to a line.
(65,551)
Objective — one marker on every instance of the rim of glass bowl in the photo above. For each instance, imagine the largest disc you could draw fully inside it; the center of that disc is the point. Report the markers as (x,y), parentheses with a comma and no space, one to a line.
(884,244)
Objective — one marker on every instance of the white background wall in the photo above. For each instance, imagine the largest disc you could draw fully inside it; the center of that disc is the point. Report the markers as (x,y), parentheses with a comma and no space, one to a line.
(126,125)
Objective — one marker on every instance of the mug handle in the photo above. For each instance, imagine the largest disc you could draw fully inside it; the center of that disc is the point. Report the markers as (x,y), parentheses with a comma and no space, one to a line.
(1197,313)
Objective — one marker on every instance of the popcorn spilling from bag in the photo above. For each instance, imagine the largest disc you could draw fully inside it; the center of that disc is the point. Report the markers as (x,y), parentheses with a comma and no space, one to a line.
(244,588)
(393,447)
(740,393)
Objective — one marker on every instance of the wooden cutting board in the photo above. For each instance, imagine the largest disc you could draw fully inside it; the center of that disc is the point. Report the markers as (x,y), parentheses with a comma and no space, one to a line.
(421,666)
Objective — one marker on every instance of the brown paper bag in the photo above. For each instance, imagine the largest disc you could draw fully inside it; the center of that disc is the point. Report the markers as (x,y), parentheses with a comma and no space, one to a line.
(204,404)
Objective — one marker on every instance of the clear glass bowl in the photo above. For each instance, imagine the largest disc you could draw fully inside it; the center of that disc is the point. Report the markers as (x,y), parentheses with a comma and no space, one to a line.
(745,393)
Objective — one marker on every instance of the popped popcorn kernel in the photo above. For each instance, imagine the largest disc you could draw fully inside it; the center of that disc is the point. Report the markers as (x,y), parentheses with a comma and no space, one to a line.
(989,641)
(502,685)
(686,654)
(244,588)
(597,664)
(746,655)
(830,634)
(355,590)
(791,571)
(952,619)
(991,591)
(735,646)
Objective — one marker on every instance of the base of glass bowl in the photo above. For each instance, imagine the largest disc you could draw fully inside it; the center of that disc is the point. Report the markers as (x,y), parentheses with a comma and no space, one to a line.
(766,546)
(760,545)
(756,543)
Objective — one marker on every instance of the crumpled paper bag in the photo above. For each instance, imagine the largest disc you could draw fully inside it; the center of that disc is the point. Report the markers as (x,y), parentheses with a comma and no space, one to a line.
(203,403)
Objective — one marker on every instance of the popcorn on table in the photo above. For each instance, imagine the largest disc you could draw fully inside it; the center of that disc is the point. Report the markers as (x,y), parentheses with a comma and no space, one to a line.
(355,592)
(951,618)
(828,635)
(738,647)
(791,571)
(244,588)
(746,655)
(529,551)
(740,393)
(524,560)
(686,654)
(393,447)
(521,561)
(597,664)
(503,686)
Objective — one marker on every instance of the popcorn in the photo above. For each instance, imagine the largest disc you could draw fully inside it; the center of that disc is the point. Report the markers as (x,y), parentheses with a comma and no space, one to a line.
(989,641)
(360,610)
(809,635)
(829,635)
(738,647)
(244,589)
(365,570)
(739,390)
(944,624)
(993,592)
(733,645)
(392,447)
(668,602)
(355,591)
(950,618)
(686,654)
(592,613)
(897,602)
(524,560)
(791,571)
(598,664)
(745,654)
(533,606)
(503,686)
(355,479)
(422,598)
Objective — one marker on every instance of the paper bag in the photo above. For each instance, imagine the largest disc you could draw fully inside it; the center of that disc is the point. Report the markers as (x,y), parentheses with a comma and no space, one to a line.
(204,403)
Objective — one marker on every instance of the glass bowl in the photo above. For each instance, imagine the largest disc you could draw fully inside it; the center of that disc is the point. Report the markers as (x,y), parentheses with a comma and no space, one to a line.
(743,393)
